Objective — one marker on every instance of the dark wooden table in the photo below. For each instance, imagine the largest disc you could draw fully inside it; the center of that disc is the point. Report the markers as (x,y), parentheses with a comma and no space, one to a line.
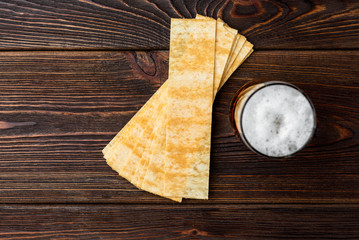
(73,72)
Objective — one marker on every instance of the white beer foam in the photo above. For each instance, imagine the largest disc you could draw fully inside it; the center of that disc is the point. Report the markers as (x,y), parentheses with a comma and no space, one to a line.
(277,120)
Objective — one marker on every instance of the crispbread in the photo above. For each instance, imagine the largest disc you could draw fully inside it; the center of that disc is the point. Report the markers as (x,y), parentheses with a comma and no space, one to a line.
(224,41)
(120,147)
(225,37)
(145,165)
(153,177)
(154,126)
(189,109)
(242,55)
(153,180)
(134,156)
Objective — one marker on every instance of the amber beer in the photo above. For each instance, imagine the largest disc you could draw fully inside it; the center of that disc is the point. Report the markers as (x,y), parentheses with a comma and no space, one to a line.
(274,119)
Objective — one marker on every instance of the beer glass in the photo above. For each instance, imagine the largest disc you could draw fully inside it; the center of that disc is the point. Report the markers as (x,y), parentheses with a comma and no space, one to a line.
(274,119)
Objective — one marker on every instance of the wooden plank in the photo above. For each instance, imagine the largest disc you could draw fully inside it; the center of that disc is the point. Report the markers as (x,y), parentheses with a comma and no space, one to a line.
(140,24)
(179,222)
(59,109)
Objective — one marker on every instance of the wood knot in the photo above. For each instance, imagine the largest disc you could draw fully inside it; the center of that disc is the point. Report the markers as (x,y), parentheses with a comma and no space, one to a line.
(195,232)
(145,62)
(246,8)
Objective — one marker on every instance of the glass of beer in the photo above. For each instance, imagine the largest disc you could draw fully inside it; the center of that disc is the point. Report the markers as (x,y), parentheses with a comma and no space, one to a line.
(274,119)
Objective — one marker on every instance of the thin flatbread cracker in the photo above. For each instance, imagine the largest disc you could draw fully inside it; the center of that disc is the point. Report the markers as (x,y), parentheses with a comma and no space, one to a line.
(123,134)
(189,109)
(234,46)
(237,45)
(150,150)
(144,160)
(121,147)
(133,121)
(139,142)
(244,53)
(153,180)
(128,168)
(236,49)
(224,41)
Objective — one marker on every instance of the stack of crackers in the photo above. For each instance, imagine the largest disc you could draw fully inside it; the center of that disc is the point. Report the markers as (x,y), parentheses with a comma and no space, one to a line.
(165,148)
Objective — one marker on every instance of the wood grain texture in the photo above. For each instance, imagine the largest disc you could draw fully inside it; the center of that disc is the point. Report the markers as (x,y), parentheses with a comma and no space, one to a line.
(59,109)
(144,24)
(179,222)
